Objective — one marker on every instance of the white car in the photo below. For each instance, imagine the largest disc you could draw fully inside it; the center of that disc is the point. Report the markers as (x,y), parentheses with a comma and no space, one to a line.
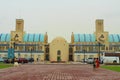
(90,60)
(1,60)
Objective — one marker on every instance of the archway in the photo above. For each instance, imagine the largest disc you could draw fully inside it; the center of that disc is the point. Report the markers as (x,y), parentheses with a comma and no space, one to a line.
(58,56)
(59,50)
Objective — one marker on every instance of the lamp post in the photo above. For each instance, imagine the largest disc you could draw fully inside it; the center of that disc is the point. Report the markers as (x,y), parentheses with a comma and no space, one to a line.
(84,55)
(31,55)
(99,50)
(14,44)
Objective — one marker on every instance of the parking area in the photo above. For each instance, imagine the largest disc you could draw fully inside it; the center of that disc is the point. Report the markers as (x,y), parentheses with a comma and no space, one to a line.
(57,72)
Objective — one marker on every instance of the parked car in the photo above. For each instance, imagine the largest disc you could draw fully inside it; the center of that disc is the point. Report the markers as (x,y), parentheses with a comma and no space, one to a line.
(22,60)
(90,60)
(30,59)
(84,60)
(1,60)
(8,60)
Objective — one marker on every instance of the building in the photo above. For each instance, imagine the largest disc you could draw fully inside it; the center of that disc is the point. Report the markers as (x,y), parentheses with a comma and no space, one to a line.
(25,44)
(93,45)
(82,46)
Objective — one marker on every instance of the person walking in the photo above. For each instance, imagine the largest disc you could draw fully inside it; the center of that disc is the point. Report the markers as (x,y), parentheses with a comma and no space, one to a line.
(94,64)
(97,63)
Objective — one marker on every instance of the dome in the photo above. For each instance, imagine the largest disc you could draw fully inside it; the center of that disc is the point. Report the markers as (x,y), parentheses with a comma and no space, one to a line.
(59,39)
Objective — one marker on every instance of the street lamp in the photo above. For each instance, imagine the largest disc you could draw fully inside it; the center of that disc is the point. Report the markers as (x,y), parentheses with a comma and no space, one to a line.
(99,50)
(14,44)
(31,55)
(31,52)
(84,55)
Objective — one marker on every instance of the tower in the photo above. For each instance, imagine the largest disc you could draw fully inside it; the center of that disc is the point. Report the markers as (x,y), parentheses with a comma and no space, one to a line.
(99,26)
(19,25)
(101,35)
(72,38)
(17,35)
(46,38)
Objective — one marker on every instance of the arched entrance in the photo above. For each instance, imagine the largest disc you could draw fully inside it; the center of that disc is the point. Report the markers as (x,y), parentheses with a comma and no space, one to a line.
(59,50)
(58,56)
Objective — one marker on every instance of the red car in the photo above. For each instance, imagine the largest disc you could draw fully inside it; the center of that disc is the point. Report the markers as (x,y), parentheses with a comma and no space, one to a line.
(22,60)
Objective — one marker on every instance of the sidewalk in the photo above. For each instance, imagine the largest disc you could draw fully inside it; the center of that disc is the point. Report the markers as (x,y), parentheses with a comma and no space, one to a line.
(57,72)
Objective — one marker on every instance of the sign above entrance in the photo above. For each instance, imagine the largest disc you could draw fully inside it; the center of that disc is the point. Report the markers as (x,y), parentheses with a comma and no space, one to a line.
(101,38)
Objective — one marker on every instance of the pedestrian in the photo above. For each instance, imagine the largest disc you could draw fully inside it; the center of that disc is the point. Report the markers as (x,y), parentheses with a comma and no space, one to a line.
(94,64)
(37,59)
(97,63)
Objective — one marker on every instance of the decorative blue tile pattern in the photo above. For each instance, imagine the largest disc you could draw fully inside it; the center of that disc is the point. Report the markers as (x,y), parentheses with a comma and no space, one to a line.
(5,37)
(76,38)
(42,38)
(25,38)
(114,37)
(33,38)
(36,37)
(92,38)
(30,38)
(110,38)
(84,38)
(118,37)
(8,38)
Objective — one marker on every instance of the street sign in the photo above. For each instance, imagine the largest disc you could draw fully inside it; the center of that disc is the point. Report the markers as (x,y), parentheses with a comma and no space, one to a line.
(11,53)
(101,38)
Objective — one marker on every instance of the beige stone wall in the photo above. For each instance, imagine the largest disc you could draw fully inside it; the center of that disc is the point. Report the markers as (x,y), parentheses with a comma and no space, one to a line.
(59,44)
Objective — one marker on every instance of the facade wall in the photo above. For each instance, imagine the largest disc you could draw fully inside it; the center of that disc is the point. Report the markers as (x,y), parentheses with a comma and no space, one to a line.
(59,48)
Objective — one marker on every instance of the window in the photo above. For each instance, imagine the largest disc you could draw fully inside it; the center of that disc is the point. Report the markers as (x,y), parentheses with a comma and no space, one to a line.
(26,55)
(78,57)
(91,56)
(5,55)
(58,52)
(38,56)
(47,50)
(103,48)
(70,50)
(90,48)
(110,48)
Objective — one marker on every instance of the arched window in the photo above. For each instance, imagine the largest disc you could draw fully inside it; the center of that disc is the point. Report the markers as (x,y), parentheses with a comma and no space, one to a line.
(58,52)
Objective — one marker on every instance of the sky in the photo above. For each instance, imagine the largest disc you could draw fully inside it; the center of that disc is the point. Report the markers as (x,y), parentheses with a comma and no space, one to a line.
(60,17)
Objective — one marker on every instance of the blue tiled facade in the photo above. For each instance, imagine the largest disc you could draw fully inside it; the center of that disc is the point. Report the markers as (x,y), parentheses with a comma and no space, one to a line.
(92,38)
(26,38)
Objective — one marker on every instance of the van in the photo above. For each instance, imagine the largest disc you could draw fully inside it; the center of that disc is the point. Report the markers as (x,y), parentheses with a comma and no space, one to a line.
(111,59)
